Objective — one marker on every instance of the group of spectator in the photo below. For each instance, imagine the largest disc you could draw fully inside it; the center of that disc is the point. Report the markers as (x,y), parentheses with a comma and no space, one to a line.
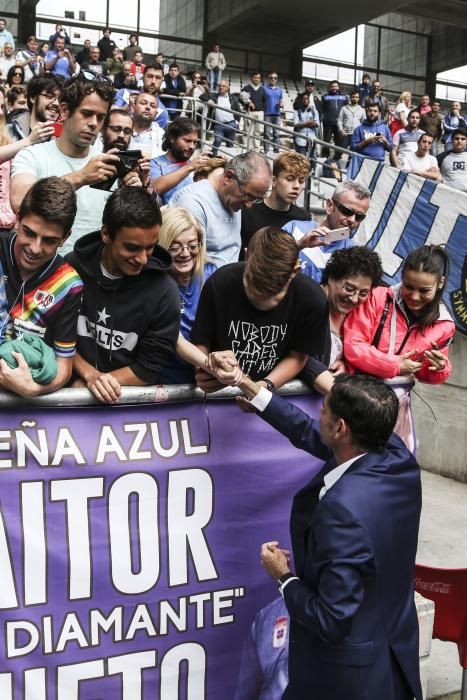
(232,264)
(415,138)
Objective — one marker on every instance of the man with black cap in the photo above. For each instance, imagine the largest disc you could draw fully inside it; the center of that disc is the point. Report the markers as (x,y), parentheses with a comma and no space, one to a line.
(314,100)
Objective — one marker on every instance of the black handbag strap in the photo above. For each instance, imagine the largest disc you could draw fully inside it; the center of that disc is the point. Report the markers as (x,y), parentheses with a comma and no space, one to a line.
(382,321)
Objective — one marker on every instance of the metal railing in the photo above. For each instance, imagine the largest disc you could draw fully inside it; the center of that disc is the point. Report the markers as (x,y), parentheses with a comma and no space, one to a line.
(205,114)
(134,395)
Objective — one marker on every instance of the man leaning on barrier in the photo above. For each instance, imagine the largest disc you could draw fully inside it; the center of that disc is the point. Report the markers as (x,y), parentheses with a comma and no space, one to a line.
(354,531)
(43,291)
(130,317)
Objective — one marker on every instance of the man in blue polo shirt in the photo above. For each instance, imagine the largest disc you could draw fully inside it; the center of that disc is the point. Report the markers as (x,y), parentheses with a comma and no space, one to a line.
(59,60)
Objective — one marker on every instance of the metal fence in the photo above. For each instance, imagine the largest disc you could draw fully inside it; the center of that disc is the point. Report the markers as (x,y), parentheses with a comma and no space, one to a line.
(205,115)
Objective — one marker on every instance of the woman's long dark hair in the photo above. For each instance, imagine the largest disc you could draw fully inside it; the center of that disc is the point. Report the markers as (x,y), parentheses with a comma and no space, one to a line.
(434,260)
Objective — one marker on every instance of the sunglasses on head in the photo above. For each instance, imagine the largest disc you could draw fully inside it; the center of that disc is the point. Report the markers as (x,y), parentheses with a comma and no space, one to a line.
(347,211)
(90,75)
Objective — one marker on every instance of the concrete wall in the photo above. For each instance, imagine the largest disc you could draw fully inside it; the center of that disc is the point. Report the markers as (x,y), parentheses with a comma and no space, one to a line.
(443,438)
(182,18)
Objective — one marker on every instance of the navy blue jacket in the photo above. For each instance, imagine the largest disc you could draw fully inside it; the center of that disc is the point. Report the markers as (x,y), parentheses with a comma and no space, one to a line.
(331,105)
(354,628)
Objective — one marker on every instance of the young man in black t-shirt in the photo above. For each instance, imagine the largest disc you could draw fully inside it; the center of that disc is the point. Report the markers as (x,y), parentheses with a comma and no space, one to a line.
(269,314)
(289,174)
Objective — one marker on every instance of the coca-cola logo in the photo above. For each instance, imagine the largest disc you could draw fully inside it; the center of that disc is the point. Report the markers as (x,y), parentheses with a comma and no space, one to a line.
(434,586)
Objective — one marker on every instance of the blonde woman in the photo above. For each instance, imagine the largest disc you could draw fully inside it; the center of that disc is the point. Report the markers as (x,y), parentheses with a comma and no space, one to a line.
(401,112)
(182,235)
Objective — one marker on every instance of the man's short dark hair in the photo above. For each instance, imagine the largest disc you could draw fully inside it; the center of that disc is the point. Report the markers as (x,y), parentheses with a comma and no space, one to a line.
(46,82)
(116,110)
(179,127)
(153,66)
(355,92)
(76,89)
(373,104)
(255,72)
(31,37)
(174,65)
(13,93)
(54,199)
(368,406)
(462,132)
(132,207)
(425,133)
(412,111)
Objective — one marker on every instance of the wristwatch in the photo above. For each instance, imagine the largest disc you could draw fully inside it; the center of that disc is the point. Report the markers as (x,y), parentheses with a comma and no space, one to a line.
(269,385)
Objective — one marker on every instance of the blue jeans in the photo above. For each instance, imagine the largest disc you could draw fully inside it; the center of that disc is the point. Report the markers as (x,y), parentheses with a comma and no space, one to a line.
(272,134)
(225,131)
(214,77)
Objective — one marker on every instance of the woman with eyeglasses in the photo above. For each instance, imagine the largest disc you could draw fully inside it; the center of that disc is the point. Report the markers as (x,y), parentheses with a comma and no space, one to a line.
(403,333)
(15,76)
(348,278)
(182,235)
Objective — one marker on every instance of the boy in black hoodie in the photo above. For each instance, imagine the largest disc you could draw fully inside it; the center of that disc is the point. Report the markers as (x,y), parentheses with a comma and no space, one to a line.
(130,316)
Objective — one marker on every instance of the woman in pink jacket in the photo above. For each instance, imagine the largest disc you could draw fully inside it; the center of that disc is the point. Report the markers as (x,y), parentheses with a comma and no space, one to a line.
(403,332)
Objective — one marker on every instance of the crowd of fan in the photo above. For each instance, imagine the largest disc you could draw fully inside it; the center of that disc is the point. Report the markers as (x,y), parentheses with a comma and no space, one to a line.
(170,256)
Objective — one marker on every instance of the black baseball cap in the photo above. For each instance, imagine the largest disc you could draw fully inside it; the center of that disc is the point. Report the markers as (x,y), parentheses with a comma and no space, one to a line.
(309,82)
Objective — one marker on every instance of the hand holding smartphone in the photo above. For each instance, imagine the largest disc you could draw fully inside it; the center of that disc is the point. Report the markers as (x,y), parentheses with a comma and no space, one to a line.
(338,234)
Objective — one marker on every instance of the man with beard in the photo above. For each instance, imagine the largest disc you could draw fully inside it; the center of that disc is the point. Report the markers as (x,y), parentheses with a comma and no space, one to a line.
(117,130)
(147,134)
(372,138)
(405,141)
(43,102)
(83,106)
(174,169)
(152,81)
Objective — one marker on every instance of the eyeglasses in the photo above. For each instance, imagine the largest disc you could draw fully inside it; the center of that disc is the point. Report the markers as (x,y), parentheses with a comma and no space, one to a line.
(352,291)
(246,196)
(17,75)
(49,96)
(273,77)
(117,129)
(177,248)
(347,211)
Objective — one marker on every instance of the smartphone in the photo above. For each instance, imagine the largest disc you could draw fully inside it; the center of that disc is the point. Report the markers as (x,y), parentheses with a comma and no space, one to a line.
(338,234)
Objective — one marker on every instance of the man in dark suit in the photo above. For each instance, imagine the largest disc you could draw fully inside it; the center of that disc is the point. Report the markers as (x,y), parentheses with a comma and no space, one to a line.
(354,530)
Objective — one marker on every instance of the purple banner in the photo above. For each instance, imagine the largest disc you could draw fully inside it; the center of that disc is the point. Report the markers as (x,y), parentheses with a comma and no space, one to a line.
(129,547)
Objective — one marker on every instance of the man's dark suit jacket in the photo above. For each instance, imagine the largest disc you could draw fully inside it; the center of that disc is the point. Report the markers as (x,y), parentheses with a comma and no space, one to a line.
(354,628)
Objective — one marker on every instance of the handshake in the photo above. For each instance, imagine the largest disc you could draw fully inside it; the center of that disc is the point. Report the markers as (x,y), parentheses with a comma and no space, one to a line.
(221,368)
